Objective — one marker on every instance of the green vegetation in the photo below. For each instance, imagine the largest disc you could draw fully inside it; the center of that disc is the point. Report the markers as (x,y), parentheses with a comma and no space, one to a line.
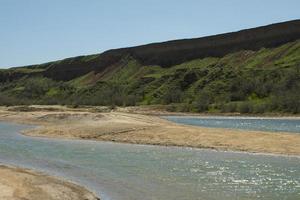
(261,81)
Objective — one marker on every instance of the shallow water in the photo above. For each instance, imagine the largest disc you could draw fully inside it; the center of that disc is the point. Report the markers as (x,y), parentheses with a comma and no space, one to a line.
(248,123)
(128,172)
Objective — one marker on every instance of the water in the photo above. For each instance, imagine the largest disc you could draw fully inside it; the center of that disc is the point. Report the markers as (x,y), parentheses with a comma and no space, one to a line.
(248,123)
(129,172)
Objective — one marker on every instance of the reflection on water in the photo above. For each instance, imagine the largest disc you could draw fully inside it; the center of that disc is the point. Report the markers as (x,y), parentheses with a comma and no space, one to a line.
(127,172)
(248,123)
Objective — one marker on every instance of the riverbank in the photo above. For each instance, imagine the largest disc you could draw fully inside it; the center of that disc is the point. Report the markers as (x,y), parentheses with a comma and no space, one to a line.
(162,110)
(127,127)
(17,183)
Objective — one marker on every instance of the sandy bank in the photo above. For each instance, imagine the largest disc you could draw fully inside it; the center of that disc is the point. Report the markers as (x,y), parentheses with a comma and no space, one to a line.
(17,184)
(148,129)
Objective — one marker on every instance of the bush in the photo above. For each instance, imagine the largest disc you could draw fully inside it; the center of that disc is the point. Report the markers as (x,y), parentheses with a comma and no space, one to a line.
(260,108)
(200,106)
(172,96)
(184,107)
(229,107)
(245,107)
(202,102)
(171,108)
(74,106)
(130,100)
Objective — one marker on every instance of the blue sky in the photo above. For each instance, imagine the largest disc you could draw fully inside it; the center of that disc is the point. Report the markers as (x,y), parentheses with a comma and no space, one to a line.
(37,31)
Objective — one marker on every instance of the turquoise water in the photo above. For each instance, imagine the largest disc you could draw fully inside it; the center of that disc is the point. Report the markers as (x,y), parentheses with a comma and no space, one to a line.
(129,172)
(248,123)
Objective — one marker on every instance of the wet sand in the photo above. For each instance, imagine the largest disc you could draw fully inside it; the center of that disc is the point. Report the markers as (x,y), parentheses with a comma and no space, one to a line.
(146,128)
(17,184)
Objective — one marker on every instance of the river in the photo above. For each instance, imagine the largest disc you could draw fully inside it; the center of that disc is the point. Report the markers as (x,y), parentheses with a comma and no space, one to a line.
(291,125)
(128,172)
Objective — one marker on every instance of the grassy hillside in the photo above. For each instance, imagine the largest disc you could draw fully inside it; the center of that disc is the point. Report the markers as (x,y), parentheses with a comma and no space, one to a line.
(256,80)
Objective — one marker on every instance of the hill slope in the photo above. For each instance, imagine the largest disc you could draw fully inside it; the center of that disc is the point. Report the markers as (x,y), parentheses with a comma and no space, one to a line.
(255,70)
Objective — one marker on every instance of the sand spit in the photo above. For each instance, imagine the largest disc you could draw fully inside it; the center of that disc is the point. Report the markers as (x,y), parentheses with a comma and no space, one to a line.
(17,184)
(117,126)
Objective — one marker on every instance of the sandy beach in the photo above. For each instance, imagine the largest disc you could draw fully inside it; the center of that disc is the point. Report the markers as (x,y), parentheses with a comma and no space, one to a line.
(127,127)
(17,184)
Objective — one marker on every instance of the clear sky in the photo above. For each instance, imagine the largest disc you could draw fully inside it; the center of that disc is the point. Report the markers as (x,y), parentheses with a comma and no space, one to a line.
(37,31)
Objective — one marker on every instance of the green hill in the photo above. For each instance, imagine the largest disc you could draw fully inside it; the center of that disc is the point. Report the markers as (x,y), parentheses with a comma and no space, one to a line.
(251,71)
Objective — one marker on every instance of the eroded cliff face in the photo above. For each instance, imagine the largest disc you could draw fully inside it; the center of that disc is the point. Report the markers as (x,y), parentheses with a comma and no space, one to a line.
(250,71)
(169,53)
(175,52)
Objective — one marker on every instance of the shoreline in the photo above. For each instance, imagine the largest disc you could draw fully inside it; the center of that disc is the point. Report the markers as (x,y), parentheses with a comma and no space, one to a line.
(125,127)
(234,116)
(27,134)
(20,183)
(154,110)
(160,111)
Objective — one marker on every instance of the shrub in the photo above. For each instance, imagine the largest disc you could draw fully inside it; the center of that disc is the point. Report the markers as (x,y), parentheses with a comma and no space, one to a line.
(184,107)
(260,108)
(245,107)
(229,107)
(171,108)
(172,96)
